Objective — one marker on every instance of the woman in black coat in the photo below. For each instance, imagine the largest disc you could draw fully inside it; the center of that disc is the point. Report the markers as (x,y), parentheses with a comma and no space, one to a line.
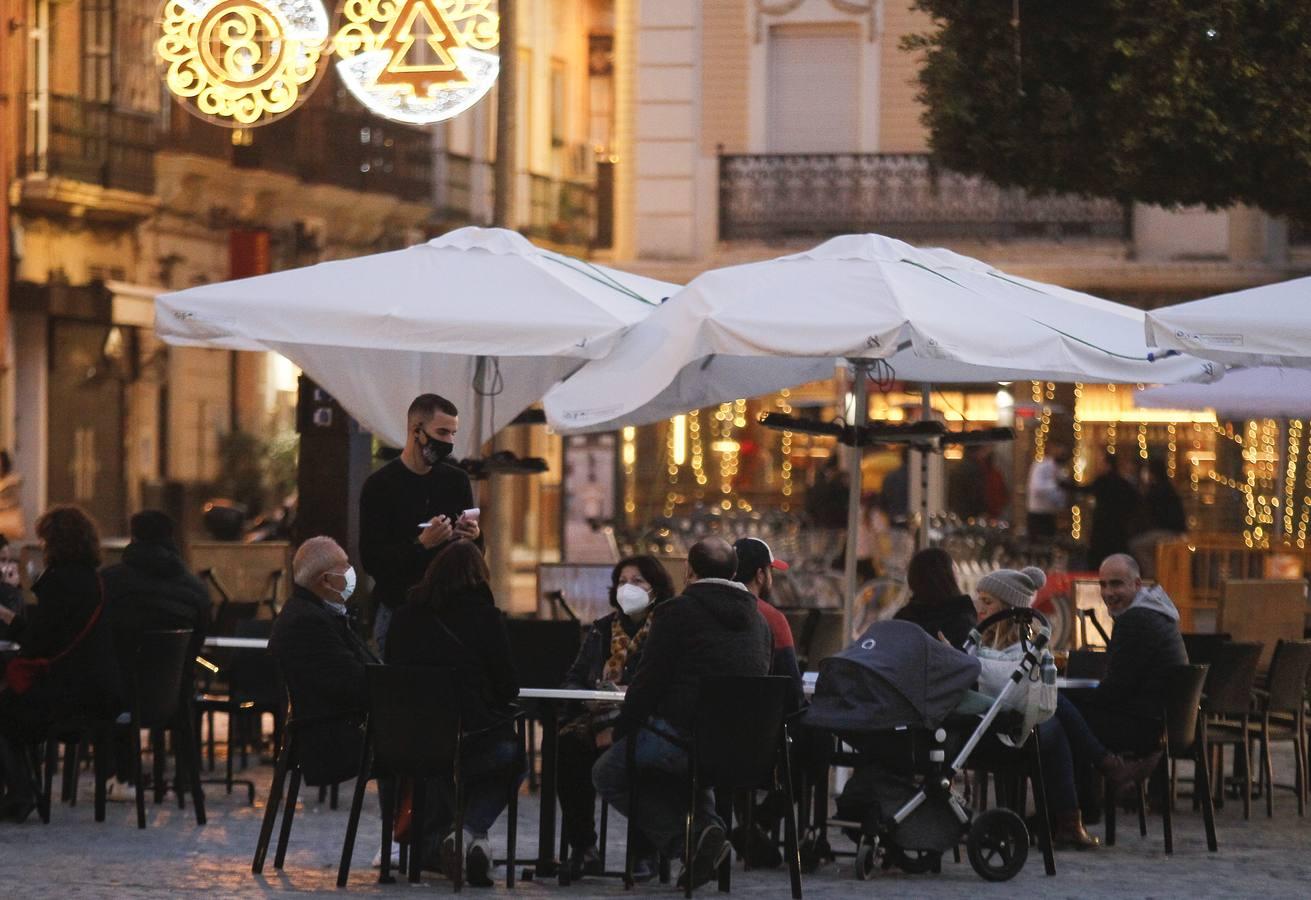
(937,603)
(68,619)
(451,621)
(607,659)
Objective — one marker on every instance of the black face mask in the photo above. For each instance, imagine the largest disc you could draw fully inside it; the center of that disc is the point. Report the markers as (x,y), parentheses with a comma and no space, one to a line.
(434,451)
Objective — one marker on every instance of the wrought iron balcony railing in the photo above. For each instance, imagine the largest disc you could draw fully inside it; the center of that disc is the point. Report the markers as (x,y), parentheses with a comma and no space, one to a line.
(90,142)
(562,211)
(764,197)
(321,145)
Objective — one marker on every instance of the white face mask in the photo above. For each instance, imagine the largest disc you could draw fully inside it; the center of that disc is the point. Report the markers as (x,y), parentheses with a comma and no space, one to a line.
(349,588)
(632,599)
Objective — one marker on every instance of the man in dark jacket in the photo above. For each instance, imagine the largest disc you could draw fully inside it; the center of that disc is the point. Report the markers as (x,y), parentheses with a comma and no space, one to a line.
(1125,710)
(152,590)
(322,661)
(419,486)
(713,628)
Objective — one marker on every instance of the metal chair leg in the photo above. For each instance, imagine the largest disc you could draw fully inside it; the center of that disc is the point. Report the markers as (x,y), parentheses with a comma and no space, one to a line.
(288,814)
(271,807)
(353,820)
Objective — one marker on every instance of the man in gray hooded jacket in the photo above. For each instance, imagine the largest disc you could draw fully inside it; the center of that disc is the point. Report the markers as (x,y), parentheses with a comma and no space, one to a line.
(1125,710)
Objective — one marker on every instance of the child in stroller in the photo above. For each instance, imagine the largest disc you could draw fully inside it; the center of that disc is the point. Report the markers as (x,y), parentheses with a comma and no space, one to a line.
(904,702)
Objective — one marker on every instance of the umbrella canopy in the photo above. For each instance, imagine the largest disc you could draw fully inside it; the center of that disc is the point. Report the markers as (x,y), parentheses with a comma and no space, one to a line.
(894,675)
(376,331)
(1261,326)
(922,315)
(930,315)
(1259,393)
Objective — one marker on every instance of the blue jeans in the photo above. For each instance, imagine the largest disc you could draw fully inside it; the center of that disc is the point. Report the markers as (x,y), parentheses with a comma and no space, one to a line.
(1067,742)
(663,787)
(381,625)
(490,766)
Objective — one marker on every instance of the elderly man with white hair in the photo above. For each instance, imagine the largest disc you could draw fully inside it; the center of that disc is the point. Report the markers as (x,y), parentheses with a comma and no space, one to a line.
(322,661)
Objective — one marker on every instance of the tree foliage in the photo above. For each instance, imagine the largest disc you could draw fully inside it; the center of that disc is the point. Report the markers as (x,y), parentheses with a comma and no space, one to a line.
(1159,101)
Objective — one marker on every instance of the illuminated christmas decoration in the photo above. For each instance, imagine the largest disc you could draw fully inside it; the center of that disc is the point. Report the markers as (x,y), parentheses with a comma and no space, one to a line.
(418,61)
(242,63)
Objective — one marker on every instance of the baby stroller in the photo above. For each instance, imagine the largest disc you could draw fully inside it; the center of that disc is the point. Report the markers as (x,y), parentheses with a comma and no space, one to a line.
(904,703)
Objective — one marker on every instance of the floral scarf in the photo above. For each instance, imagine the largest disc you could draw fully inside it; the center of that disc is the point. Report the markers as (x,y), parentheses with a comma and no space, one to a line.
(621,645)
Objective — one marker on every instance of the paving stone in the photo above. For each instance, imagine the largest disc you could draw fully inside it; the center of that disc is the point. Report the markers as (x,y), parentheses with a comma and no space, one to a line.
(75,857)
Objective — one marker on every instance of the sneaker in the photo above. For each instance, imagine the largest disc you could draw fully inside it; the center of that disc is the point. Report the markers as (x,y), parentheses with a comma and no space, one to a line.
(395,856)
(711,850)
(478,863)
(645,869)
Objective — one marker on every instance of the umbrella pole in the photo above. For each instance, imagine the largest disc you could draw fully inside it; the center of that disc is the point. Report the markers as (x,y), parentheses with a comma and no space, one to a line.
(860,416)
(926,415)
(479,388)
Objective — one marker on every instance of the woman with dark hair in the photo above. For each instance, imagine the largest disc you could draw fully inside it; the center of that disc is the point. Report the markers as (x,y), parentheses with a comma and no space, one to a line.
(607,659)
(451,621)
(937,603)
(67,628)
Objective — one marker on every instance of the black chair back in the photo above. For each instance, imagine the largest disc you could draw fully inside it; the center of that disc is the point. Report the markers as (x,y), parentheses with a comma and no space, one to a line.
(1229,683)
(739,726)
(1182,698)
(253,674)
(1203,649)
(162,661)
(1286,680)
(1086,664)
(543,650)
(414,718)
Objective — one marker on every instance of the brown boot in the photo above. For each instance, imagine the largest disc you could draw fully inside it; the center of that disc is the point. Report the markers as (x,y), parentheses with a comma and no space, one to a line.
(1121,772)
(1068,832)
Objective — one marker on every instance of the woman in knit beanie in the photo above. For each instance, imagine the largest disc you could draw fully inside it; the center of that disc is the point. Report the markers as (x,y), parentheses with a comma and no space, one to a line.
(1001,590)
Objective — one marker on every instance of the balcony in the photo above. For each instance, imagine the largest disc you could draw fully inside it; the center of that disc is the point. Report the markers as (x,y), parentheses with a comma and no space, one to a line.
(563,212)
(774,197)
(319,144)
(90,143)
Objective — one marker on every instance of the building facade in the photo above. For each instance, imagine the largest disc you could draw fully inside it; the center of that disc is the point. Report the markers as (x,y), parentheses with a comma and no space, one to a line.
(114,193)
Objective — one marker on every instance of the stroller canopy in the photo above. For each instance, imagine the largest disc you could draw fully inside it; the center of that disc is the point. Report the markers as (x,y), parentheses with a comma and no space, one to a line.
(895,676)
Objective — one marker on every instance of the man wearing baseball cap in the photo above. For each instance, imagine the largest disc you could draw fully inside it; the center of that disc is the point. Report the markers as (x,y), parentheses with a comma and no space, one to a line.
(755,569)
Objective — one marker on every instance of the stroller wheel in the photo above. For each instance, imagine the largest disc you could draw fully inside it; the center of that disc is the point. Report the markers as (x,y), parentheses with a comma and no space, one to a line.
(998,844)
(915,862)
(866,858)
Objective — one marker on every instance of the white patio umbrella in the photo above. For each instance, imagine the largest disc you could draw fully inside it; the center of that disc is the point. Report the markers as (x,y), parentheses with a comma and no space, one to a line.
(479,315)
(929,315)
(1261,326)
(1264,392)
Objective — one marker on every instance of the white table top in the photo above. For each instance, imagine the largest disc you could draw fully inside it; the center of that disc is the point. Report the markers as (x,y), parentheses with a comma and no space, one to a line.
(567,694)
(238,643)
(8,646)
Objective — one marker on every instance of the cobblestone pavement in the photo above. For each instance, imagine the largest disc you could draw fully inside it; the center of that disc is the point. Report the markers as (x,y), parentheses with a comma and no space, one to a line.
(74,857)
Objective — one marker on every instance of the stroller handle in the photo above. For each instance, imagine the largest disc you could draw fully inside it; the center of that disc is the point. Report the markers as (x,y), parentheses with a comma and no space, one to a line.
(1015,612)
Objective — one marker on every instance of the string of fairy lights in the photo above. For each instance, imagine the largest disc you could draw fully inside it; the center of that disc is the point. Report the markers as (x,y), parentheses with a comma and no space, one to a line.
(1274,483)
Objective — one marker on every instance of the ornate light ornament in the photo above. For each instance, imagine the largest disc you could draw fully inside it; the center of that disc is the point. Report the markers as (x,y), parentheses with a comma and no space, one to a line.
(418,61)
(242,63)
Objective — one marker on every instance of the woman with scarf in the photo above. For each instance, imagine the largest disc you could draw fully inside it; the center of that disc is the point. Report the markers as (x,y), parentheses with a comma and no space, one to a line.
(607,660)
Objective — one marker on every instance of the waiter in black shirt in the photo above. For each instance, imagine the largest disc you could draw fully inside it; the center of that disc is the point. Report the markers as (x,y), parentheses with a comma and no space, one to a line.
(412,506)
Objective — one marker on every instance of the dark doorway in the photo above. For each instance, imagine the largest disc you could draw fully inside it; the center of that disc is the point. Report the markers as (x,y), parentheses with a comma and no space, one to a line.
(85,430)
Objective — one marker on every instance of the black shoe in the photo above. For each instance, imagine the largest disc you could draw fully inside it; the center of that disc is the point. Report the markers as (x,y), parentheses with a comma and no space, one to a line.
(17,811)
(711,850)
(758,849)
(478,864)
(586,861)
